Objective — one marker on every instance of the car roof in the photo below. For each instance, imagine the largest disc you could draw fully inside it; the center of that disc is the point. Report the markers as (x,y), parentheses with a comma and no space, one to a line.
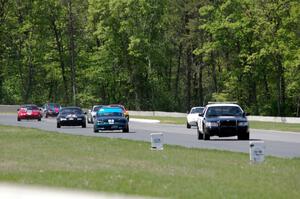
(26,105)
(97,106)
(222,104)
(197,107)
(71,107)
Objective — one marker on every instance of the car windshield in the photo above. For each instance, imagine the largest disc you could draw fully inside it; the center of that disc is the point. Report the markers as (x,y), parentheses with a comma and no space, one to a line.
(71,111)
(117,106)
(108,114)
(32,108)
(96,108)
(197,110)
(224,111)
(54,106)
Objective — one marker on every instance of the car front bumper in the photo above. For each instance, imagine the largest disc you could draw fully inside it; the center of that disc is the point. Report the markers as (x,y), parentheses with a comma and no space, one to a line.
(110,126)
(227,131)
(29,117)
(74,122)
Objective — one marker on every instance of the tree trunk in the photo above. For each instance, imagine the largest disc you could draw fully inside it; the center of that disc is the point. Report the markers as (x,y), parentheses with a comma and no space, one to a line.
(72,49)
(188,78)
(60,50)
(176,90)
(200,83)
(280,87)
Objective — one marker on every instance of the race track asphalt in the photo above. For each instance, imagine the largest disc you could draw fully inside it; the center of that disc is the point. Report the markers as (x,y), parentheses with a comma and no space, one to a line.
(280,144)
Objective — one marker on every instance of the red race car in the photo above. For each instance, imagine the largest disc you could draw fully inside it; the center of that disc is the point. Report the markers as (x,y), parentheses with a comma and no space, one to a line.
(29,111)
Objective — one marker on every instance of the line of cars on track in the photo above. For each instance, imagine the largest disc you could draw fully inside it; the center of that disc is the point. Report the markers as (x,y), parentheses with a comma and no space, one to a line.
(108,117)
(215,119)
(219,119)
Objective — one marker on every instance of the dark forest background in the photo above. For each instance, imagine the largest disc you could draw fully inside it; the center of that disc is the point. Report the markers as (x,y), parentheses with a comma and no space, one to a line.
(163,55)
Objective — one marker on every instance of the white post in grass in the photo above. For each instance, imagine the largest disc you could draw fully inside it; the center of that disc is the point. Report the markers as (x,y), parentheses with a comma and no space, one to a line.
(156,141)
(257,151)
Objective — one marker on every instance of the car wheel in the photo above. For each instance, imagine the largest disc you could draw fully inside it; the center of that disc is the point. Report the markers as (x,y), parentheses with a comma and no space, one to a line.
(58,125)
(200,135)
(83,125)
(206,136)
(126,130)
(39,119)
(188,125)
(243,136)
(19,119)
(95,130)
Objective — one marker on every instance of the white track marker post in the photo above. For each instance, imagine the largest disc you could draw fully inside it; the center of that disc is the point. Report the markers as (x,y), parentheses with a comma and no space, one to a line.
(156,141)
(257,151)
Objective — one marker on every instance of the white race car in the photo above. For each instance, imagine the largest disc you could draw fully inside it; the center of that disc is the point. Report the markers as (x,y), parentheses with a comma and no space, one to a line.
(92,113)
(192,116)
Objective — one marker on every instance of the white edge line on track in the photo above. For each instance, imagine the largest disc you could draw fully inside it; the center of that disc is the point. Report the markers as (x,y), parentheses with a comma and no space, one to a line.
(13,191)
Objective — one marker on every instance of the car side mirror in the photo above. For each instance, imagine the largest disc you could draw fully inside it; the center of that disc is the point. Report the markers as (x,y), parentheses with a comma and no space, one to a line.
(200,114)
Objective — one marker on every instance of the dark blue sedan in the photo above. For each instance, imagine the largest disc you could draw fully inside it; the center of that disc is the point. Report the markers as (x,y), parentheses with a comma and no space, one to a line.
(110,118)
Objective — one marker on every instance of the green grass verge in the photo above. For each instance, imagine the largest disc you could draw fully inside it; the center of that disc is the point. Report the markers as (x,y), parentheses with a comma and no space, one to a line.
(253,124)
(31,156)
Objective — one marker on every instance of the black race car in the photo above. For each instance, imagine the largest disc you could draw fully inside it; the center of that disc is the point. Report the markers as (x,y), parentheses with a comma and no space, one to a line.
(223,120)
(71,116)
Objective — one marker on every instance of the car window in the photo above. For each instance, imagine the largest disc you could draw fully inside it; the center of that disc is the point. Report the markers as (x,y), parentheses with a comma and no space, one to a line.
(71,111)
(107,114)
(97,108)
(53,106)
(32,108)
(197,110)
(224,111)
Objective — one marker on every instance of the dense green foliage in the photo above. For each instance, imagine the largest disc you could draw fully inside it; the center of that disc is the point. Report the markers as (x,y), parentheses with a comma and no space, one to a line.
(152,54)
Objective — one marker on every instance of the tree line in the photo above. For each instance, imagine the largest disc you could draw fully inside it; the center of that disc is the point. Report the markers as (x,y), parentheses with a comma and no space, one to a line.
(166,55)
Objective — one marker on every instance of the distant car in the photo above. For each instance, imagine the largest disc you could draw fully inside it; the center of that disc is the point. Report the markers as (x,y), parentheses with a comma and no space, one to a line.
(192,116)
(125,111)
(71,116)
(51,109)
(92,113)
(223,120)
(29,111)
(111,118)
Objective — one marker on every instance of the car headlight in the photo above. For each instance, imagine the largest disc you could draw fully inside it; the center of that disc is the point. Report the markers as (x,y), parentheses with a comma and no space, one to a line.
(243,123)
(212,124)
(62,119)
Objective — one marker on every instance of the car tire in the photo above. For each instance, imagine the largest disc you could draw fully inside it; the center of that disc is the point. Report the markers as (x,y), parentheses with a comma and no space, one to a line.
(206,136)
(83,125)
(19,119)
(188,125)
(243,136)
(126,130)
(200,135)
(58,125)
(39,119)
(95,130)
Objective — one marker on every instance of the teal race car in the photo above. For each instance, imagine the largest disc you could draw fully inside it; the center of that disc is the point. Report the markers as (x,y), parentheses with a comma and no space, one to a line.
(110,118)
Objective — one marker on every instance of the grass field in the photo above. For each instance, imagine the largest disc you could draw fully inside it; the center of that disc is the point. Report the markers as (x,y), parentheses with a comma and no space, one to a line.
(253,124)
(31,156)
